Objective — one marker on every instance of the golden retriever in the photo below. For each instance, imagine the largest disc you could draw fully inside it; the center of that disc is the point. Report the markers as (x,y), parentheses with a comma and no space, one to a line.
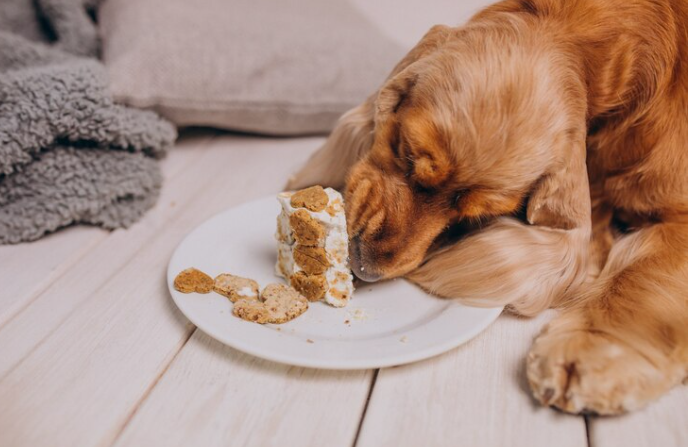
(537,157)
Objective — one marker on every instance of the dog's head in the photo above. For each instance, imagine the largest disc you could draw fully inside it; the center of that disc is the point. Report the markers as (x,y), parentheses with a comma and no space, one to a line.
(469,131)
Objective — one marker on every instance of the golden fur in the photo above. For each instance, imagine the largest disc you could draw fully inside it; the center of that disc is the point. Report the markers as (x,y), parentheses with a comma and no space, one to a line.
(556,132)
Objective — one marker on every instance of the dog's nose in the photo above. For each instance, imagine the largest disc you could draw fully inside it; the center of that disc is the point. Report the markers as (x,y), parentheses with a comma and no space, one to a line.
(359,266)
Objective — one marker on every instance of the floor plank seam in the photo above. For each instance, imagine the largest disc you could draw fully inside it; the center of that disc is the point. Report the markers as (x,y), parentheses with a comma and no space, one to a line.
(152,386)
(588,426)
(365,407)
(28,353)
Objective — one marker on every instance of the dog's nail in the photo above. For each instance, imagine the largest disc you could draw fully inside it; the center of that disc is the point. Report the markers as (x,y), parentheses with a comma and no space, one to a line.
(547,396)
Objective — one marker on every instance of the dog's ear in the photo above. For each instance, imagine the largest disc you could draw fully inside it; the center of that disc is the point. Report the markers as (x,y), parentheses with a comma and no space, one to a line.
(561,197)
(402,79)
(393,94)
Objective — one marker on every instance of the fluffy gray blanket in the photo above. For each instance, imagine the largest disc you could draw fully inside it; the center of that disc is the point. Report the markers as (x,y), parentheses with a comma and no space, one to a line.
(68,154)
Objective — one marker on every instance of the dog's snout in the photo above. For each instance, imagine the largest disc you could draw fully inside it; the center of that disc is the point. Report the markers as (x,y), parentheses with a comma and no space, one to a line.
(359,265)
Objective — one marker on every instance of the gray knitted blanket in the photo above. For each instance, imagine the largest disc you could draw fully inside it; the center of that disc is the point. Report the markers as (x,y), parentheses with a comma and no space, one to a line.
(68,154)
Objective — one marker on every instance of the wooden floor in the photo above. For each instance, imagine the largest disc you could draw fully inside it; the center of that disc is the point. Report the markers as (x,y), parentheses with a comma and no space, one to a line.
(94,353)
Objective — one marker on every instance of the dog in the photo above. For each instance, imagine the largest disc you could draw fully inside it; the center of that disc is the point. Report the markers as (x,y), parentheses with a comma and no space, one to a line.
(537,157)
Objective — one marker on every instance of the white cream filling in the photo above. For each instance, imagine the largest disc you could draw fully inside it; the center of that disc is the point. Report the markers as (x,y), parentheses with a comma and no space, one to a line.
(336,221)
(344,286)
(246,291)
(285,266)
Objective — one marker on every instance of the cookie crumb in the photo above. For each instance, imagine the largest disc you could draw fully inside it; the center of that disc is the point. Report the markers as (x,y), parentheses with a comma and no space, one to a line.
(403,339)
(361,315)
(308,340)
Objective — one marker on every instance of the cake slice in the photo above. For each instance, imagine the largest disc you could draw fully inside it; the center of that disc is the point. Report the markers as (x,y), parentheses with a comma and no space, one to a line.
(313,246)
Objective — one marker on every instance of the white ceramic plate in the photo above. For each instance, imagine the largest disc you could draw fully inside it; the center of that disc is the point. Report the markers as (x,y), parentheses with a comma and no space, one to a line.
(385,324)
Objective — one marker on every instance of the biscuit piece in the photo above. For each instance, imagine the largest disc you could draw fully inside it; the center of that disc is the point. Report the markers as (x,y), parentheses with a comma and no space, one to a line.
(283,302)
(313,287)
(312,260)
(313,246)
(314,198)
(277,304)
(193,280)
(251,310)
(306,230)
(236,287)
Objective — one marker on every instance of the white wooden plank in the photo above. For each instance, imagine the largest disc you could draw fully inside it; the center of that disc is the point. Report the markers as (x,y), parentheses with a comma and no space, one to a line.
(475,395)
(662,424)
(80,385)
(213,395)
(27,269)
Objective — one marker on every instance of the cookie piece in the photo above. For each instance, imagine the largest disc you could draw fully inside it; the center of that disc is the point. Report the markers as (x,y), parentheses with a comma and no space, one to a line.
(306,230)
(283,303)
(313,287)
(314,198)
(312,260)
(193,280)
(236,287)
(277,304)
(251,310)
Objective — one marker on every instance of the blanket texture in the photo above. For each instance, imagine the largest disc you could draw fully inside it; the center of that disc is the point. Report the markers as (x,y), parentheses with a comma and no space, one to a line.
(68,154)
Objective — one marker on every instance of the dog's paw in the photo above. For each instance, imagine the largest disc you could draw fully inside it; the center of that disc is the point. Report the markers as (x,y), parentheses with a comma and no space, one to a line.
(589,372)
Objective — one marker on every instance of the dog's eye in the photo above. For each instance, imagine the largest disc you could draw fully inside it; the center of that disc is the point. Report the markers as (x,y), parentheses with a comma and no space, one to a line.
(458,195)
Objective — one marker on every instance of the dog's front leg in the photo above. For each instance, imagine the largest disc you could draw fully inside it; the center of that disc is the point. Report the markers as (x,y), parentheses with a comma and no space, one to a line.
(626,342)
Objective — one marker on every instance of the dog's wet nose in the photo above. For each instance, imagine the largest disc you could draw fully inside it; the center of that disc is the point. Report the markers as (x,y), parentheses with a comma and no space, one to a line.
(358,265)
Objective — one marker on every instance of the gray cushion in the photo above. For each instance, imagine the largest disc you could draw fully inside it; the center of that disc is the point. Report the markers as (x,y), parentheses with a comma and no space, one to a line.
(280,67)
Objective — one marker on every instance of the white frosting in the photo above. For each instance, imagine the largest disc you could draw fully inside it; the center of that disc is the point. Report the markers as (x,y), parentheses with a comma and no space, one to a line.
(325,218)
(285,266)
(283,228)
(336,244)
(246,291)
(342,285)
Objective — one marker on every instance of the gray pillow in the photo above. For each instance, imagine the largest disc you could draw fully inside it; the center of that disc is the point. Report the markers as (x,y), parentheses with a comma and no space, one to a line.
(279,67)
